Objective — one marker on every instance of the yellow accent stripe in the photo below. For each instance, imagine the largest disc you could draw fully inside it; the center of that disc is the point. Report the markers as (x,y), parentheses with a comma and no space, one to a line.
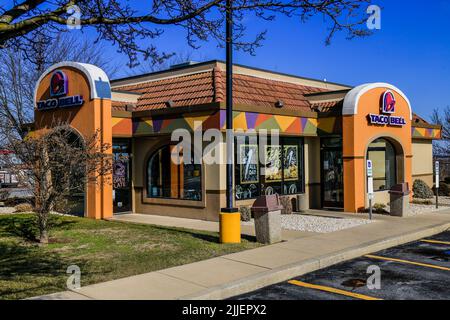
(408,262)
(332,290)
(436,241)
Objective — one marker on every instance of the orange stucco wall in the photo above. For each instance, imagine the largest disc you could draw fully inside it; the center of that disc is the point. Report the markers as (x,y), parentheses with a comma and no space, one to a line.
(93,115)
(358,134)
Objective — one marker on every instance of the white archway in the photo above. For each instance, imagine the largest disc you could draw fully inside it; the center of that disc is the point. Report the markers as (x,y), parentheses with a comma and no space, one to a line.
(351,100)
(98,80)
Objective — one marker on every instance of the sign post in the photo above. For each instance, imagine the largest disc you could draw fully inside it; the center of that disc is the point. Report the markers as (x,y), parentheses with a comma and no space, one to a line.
(436,173)
(370,186)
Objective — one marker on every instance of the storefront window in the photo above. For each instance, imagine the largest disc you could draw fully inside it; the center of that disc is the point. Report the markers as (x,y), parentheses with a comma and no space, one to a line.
(167,179)
(247,168)
(121,176)
(383,156)
(274,169)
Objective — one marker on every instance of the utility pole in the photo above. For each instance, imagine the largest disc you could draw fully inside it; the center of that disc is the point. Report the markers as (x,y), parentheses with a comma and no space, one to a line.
(230,218)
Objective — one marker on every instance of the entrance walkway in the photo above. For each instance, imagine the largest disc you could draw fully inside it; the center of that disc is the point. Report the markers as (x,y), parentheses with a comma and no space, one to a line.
(241,272)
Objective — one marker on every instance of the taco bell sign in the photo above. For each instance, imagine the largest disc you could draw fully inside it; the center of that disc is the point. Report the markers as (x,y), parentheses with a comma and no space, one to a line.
(59,85)
(386,118)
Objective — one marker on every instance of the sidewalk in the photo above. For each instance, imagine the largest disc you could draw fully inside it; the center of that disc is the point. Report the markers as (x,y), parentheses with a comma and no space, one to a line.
(241,272)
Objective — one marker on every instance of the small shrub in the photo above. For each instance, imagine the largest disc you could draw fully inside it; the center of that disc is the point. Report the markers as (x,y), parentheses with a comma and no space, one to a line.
(14,201)
(444,189)
(24,207)
(379,208)
(4,194)
(421,190)
(447,180)
(287,205)
(246,213)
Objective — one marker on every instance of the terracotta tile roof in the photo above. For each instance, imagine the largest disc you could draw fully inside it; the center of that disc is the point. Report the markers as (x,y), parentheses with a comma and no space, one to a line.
(207,87)
(336,106)
(121,106)
(419,120)
(253,91)
(328,106)
(183,91)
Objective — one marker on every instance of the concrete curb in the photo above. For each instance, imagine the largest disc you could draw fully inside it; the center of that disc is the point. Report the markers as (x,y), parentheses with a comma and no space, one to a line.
(287,272)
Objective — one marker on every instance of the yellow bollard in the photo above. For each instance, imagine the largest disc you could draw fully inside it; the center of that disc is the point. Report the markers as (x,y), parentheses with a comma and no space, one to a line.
(230,227)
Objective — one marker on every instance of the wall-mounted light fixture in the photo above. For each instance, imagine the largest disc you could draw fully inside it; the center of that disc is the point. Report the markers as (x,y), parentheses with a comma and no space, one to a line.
(279,104)
(170,104)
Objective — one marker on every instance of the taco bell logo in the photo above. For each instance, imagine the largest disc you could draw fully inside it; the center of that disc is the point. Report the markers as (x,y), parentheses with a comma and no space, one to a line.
(389,102)
(58,92)
(58,84)
(387,110)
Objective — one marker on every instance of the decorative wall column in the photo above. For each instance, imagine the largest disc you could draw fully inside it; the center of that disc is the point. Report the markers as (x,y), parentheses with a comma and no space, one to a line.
(364,118)
(79,95)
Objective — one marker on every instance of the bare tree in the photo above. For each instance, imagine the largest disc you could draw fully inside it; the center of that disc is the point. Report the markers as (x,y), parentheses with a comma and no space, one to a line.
(57,164)
(19,72)
(442,148)
(177,58)
(124,22)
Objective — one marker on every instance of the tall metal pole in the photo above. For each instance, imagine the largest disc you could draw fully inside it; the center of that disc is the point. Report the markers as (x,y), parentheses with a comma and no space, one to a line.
(230,218)
(229,102)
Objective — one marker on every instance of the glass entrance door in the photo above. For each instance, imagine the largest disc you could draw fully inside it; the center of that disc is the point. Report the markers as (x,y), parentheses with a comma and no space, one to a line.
(121,176)
(332,173)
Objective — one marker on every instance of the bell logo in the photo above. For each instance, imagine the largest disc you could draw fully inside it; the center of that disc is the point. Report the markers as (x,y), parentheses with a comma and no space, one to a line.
(388,103)
(58,92)
(387,109)
(58,84)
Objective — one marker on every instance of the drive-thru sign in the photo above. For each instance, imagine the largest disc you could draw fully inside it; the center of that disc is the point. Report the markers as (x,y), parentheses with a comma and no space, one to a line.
(370,185)
(370,179)
(437,170)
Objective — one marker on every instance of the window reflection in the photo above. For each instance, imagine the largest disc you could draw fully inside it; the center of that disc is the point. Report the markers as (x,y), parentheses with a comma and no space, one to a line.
(273,169)
(168,179)
(383,156)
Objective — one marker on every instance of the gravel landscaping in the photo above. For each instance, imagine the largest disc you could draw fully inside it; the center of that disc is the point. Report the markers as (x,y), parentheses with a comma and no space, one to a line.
(422,208)
(418,208)
(317,224)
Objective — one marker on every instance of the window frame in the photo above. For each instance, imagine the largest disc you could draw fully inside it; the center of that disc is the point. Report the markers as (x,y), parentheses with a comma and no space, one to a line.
(284,141)
(175,200)
(395,174)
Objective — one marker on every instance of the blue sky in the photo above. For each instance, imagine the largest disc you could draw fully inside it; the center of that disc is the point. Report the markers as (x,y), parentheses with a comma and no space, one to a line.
(411,51)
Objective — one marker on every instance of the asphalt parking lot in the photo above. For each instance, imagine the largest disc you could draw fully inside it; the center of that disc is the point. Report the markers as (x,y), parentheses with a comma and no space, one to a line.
(415,271)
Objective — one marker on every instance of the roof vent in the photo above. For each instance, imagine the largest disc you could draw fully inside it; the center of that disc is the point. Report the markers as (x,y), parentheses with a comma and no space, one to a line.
(183,64)
(170,104)
(279,104)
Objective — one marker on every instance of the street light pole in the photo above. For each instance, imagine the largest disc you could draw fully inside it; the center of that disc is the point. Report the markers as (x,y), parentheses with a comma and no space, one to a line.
(229,102)
(230,218)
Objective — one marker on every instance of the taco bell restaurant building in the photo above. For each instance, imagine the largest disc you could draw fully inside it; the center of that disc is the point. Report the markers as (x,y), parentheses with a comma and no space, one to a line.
(327,132)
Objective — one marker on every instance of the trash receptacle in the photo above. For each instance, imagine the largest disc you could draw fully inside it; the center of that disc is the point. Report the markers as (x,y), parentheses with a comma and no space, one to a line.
(399,200)
(267,213)
(302,203)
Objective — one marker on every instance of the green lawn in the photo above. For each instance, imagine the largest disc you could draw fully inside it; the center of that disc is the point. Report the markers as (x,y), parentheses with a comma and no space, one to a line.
(103,250)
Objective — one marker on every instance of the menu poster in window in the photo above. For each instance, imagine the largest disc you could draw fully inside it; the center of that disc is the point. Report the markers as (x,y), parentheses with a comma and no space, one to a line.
(273,166)
(249,164)
(120,167)
(290,156)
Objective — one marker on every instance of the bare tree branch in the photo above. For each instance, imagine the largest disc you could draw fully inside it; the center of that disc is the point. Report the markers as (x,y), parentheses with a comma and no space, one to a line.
(19,72)
(123,23)
(56,165)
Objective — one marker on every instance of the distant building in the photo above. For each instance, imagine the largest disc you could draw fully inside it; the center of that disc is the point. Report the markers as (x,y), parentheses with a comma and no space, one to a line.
(7,178)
